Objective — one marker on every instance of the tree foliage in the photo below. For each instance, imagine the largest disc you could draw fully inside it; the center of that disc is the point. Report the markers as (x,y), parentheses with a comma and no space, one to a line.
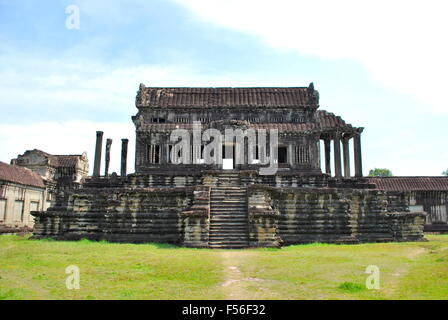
(445,173)
(380,172)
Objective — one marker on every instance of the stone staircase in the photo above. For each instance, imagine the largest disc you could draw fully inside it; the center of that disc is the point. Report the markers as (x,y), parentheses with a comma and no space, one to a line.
(228,213)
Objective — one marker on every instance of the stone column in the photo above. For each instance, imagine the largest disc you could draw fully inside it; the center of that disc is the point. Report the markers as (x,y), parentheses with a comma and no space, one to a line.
(98,149)
(337,155)
(346,156)
(357,149)
(107,159)
(327,156)
(124,157)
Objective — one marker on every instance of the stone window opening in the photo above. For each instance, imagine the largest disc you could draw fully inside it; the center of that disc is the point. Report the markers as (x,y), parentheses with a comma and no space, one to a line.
(282,155)
(158,120)
(2,209)
(182,120)
(154,154)
(301,154)
(18,211)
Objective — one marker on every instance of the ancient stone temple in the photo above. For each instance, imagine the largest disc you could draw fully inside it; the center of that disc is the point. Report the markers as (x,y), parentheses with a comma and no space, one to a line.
(234,168)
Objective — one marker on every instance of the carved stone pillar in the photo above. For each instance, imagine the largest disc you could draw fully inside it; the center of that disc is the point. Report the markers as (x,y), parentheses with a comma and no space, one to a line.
(357,149)
(337,155)
(98,149)
(124,157)
(346,156)
(327,156)
(107,158)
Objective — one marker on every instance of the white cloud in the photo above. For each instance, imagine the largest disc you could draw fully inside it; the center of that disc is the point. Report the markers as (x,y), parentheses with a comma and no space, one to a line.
(402,43)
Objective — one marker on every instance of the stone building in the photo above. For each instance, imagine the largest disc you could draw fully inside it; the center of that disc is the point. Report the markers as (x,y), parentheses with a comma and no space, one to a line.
(178,195)
(59,172)
(21,191)
(428,194)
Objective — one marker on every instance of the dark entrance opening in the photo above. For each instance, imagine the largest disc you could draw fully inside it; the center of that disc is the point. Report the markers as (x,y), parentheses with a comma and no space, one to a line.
(282,155)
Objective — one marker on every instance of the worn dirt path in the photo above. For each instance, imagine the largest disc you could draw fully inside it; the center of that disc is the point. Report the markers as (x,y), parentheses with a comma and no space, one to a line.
(235,285)
(397,276)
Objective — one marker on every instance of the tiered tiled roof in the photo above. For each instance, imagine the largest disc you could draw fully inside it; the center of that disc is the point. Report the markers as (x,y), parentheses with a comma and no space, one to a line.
(227,97)
(328,120)
(59,161)
(67,161)
(325,121)
(410,183)
(20,175)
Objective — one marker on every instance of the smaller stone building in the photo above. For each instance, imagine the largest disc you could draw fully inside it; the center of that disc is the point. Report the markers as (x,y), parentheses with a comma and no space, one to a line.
(21,191)
(428,194)
(59,172)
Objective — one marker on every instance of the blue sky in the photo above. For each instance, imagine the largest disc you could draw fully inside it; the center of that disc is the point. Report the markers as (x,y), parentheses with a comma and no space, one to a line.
(373,65)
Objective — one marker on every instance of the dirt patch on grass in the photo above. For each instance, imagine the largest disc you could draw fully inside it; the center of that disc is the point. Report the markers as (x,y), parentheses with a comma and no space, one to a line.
(236,285)
(391,285)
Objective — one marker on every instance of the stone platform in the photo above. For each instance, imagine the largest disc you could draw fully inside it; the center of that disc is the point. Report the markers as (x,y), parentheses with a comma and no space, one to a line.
(230,210)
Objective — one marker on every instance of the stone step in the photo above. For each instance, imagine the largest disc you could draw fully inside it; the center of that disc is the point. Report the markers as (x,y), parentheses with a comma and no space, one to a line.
(229,206)
(227,198)
(228,202)
(230,197)
(229,188)
(218,225)
(220,229)
(230,215)
(228,242)
(229,233)
(238,222)
(230,238)
(240,244)
(229,221)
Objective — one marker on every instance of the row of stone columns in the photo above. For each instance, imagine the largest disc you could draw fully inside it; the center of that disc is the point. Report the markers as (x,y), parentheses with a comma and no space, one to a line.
(338,139)
(98,154)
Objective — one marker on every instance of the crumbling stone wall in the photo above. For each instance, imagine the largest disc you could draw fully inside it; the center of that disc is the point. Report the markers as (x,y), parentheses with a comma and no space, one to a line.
(117,214)
(263,220)
(332,215)
(196,219)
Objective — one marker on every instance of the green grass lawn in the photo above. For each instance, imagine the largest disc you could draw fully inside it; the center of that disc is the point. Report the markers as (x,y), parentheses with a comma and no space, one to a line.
(35,269)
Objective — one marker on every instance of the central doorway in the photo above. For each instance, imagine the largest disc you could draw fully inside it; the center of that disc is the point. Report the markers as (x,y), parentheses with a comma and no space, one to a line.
(228,156)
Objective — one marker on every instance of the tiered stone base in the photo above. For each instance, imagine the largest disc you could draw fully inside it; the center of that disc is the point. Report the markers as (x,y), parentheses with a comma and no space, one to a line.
(124,210)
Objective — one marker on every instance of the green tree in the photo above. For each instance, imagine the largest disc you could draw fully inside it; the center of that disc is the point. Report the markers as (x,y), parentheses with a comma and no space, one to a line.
(380,172)
(445,173)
